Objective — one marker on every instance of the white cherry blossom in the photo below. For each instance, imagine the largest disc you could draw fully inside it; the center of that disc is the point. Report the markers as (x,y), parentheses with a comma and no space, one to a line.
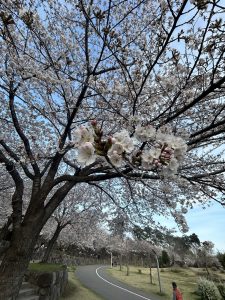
(149,156)
(124,140)
(173,165)
(145,133)
(86,154)
(116,147)
(115,159)
(83,134)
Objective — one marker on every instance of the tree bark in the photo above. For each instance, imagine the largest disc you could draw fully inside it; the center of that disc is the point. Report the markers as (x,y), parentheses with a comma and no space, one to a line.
(16,260)
(127,264)
(120,259)
(157,263)
(17,257)
(150,274)
(51,244)
(5,229)
(24,236)
(128,269)
(150,269)
(5,236)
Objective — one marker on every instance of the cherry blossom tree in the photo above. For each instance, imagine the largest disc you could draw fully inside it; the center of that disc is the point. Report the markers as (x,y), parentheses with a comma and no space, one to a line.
(78,211)
(205,254)
(62,217)
(127,94)
(149,250)
(85,233)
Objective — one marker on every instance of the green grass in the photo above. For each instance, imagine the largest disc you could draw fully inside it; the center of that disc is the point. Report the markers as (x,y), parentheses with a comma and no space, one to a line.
(186,279)
(75,290)
(39,267)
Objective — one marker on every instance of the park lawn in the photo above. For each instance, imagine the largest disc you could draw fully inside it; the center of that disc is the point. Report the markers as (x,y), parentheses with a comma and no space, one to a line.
(186,279)
(75,290)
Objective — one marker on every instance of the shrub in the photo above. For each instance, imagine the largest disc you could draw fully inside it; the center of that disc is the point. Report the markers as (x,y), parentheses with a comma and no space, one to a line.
(221,288)
(207,290)
(221,258)
(165,259)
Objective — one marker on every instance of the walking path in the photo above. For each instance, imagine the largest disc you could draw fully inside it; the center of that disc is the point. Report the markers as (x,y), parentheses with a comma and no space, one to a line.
(97,279)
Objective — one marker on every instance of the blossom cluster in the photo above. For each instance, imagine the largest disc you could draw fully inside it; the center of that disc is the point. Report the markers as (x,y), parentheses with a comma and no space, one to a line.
(146,147)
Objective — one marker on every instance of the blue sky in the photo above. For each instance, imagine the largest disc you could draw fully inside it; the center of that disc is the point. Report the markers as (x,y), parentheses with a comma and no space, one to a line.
(208,224)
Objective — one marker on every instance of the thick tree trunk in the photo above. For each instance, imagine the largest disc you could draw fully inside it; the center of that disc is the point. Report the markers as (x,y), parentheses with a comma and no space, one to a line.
(16,260)
(12,270)
(5,229)
(51,244)
(25,233)
(5,236)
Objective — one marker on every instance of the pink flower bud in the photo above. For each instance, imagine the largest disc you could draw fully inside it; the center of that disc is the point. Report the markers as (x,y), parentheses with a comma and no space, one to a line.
(157,163)
(94,123)
(166,155)
(168,150)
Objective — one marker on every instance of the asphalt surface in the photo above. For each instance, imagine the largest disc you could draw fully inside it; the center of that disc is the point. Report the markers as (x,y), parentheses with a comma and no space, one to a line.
(97,279)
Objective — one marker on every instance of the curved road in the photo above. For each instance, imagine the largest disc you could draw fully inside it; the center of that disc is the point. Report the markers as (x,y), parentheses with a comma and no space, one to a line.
(95,278)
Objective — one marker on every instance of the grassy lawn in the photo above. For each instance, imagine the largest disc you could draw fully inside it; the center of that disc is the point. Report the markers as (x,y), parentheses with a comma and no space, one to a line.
(75,290)
(186,279)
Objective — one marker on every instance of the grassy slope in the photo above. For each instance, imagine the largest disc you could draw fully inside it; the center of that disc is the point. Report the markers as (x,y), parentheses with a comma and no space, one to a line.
(75,290)
(186,280)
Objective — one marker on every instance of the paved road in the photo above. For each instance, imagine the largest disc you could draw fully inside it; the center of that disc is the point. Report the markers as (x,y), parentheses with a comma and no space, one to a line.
(97,279)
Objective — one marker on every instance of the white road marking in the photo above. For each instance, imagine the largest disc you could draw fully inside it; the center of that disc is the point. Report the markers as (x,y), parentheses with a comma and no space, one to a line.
(119,287)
